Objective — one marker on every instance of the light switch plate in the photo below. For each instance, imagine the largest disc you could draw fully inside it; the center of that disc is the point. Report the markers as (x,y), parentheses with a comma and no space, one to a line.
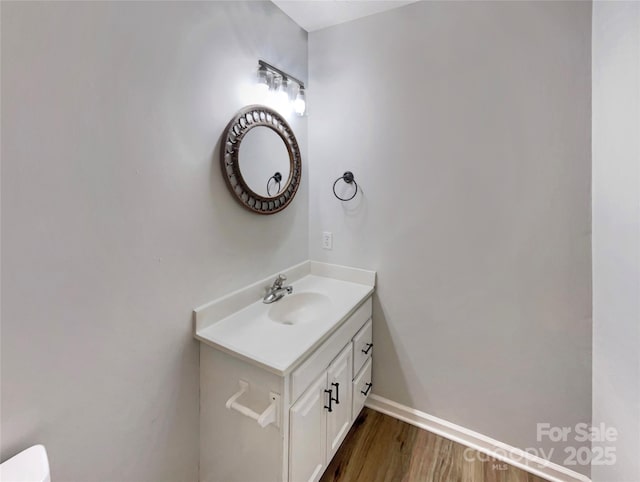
(327,240)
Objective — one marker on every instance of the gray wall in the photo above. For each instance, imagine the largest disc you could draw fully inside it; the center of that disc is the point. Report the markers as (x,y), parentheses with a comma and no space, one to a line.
(116,222)
(467,126)
(616,235)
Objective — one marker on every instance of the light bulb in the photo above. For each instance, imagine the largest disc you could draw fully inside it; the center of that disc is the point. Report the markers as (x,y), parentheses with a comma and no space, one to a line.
(282,91)
(279,98)
(263,79)
(276,82)
(300,104)
(262,76)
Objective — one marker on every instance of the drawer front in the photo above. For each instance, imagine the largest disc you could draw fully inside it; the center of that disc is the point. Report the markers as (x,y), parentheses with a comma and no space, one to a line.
(304,375)
(362,347)
(361,388)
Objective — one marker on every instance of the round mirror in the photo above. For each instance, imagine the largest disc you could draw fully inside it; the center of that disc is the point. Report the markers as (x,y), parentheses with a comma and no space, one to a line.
(260,160)
(264,161)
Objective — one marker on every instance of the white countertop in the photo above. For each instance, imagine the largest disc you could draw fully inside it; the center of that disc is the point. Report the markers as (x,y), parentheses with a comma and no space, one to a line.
(250,334)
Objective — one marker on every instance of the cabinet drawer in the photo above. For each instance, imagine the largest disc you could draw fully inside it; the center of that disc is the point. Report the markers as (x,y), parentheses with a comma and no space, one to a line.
(319,361)
(361,388)
(362,347)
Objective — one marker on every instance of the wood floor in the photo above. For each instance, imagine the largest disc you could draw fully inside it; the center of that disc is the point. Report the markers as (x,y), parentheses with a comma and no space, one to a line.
(381,448)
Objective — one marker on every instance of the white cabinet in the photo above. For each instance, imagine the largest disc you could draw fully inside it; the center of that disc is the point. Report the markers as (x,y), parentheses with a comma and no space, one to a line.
(315,405)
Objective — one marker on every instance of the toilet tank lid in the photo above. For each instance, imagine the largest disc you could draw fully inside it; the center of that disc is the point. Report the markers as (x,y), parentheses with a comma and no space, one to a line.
(30,465)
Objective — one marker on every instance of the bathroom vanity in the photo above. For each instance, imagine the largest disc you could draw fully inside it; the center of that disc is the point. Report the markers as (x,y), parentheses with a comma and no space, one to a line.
(282,383)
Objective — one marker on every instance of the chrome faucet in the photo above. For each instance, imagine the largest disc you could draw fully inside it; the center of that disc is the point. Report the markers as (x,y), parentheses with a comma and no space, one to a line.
(277,291)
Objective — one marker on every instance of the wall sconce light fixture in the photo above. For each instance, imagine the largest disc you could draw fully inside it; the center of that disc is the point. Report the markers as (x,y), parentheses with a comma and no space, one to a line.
(286,87)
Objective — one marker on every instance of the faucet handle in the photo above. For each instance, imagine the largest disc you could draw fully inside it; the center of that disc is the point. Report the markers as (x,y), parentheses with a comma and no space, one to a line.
(279,280)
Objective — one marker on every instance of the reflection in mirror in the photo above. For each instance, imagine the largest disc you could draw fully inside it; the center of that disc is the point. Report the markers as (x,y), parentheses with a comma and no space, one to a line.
(274,180)
(264,158)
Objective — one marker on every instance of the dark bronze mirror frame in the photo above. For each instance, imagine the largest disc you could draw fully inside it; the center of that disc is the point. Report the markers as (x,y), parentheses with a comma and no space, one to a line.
(245,120)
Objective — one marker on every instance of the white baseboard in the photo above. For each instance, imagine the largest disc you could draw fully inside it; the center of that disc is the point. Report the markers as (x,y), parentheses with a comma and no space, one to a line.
(495,449)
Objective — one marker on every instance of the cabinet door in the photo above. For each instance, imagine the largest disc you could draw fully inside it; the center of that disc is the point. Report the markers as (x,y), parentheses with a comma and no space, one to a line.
(340,374)
(307,428)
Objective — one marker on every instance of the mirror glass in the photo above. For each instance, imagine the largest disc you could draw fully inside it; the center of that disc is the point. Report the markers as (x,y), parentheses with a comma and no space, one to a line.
(264,162)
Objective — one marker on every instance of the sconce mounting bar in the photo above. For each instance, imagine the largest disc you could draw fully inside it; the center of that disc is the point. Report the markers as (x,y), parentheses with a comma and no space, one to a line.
(268,66)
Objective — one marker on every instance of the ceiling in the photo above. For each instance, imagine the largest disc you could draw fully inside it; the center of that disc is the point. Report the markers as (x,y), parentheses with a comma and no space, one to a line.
(316,14)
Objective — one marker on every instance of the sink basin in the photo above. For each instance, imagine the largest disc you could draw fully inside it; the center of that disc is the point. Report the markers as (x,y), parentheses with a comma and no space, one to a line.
(300,308)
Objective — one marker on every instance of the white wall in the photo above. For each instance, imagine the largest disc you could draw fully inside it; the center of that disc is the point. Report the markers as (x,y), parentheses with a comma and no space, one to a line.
(116,221)
(616,234)
(467,125)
